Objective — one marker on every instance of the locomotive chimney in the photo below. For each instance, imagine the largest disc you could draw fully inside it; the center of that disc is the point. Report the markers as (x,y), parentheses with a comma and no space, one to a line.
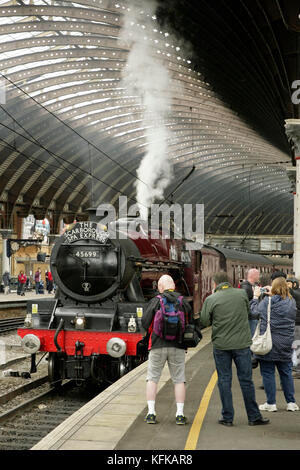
(92,211)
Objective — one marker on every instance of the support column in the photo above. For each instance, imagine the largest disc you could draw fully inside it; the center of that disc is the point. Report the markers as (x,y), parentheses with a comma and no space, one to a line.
(292,128)
(5,233)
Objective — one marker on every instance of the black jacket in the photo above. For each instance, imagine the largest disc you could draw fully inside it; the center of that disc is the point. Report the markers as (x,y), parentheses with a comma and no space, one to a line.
(147,319)
(296,294)
(247,286)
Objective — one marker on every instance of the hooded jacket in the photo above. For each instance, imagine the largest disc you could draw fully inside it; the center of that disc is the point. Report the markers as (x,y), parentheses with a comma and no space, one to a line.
(283,315)
(296,294)
(148,317)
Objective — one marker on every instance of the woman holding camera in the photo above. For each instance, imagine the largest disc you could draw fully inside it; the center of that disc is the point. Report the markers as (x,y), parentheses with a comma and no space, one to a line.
(283,314)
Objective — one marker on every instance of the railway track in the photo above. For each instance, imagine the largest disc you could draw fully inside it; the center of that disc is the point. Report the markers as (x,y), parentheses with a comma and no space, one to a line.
(10,324)
(25,425)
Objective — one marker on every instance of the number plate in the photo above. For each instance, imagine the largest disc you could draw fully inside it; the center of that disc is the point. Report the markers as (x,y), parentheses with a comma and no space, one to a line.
(87,254)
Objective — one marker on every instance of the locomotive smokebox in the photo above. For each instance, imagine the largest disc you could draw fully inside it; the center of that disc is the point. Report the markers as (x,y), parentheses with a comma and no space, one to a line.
(88,266)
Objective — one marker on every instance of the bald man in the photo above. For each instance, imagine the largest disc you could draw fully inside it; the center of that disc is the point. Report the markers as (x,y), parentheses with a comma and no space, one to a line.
(162,351)
(252,279)
(249,285)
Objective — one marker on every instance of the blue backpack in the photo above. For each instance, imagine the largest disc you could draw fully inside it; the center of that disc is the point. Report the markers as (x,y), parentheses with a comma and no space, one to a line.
(169,320)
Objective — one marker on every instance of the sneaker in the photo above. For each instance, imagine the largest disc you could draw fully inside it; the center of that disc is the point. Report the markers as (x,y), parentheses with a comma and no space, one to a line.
(150,419)
(267,407)
(181,419)
(292,407)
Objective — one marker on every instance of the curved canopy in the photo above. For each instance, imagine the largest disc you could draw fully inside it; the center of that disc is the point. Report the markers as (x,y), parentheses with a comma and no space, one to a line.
(78,118)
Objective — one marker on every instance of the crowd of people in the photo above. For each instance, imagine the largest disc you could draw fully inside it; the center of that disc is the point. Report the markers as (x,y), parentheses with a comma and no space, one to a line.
(25,282)
(233,314)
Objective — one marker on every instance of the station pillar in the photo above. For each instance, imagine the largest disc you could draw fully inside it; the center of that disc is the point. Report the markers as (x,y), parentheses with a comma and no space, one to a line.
(5,233)
(292,128)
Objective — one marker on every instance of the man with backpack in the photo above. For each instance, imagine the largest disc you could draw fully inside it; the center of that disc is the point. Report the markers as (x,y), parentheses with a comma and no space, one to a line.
(165,318)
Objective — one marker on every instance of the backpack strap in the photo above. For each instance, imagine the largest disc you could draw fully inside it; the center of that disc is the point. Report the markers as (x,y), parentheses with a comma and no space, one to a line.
(162,305)
(180,299)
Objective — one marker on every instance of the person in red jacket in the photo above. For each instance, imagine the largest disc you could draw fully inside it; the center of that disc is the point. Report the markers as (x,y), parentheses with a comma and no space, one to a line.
(50,282)
(21,283)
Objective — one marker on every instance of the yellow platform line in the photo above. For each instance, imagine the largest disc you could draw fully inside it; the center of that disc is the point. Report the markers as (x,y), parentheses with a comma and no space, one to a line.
(193,436)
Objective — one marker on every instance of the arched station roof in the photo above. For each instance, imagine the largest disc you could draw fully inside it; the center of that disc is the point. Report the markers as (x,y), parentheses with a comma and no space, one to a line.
(73,134)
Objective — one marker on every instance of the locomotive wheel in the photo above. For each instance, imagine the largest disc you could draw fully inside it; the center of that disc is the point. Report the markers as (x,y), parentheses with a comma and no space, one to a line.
(122,369)
(53,370)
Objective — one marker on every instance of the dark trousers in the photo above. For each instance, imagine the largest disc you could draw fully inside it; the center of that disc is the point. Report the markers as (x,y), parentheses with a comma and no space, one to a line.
(267,369)
(21,288)
(242,360)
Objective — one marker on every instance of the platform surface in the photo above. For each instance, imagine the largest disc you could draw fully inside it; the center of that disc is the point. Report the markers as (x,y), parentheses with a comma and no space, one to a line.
(29,295)
(114,420)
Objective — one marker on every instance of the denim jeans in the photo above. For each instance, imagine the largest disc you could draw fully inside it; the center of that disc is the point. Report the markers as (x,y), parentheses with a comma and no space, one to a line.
(253,325)
(242,360)
(267,369)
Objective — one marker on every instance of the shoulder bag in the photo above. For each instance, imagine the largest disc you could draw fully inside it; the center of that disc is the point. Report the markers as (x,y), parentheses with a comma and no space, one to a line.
(191,337)
(262,344)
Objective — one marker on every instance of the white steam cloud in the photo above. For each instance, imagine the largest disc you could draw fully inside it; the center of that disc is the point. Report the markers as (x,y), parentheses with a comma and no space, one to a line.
(146,77)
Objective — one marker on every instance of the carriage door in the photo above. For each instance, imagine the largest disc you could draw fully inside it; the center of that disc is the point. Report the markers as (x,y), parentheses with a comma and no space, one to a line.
(197,282)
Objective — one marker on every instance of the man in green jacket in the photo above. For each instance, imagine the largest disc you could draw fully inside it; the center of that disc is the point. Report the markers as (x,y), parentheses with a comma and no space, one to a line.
(228,311)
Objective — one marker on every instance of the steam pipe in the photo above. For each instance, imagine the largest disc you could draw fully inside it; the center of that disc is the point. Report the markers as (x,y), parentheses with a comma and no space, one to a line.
(60,327)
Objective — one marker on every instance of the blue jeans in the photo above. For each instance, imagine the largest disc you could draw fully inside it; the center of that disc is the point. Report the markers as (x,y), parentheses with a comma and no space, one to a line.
(267,369)
(242,360)
(253,325)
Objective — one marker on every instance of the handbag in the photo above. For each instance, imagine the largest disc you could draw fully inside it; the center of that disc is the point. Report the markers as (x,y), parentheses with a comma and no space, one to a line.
(262,344)
(191,337)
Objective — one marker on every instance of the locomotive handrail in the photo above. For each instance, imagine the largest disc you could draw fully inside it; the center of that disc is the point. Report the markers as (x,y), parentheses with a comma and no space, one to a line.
(59,328)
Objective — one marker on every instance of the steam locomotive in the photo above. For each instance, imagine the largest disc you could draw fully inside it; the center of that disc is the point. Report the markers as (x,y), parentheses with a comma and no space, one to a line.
(92,329)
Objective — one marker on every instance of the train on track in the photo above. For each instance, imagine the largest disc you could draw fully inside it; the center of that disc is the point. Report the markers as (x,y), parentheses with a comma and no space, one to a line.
(92,329)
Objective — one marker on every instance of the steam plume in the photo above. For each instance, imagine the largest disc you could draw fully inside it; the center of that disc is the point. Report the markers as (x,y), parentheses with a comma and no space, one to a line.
(146,77)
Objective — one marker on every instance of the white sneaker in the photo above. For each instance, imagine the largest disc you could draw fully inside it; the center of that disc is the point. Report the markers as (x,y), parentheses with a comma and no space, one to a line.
(267,407)
(292,407)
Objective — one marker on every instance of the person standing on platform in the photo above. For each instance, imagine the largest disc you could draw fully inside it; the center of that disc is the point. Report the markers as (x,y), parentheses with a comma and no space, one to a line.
(50,282)
(37,280)
(248,286)
(162,351)
(47,280)
(227,310)
(282,323)
(6,279)
(21,283)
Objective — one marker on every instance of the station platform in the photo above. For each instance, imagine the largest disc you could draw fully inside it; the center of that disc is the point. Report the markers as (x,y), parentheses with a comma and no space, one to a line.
(114,420)
(13,300)
(29,295)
